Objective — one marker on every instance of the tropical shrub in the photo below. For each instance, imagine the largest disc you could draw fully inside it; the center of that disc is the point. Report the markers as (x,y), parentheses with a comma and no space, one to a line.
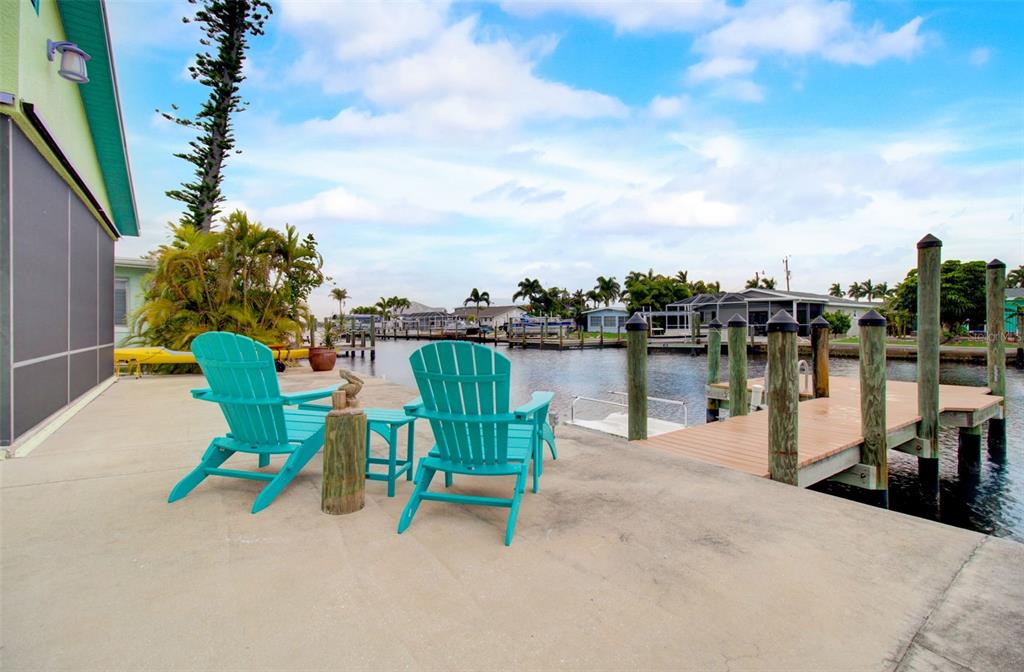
(839,323)
(245,278)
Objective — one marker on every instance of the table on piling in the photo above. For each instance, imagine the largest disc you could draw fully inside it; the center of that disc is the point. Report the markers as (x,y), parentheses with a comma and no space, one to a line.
(829,428)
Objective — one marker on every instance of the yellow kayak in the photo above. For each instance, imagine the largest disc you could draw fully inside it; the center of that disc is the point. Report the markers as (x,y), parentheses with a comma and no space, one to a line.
(134,358)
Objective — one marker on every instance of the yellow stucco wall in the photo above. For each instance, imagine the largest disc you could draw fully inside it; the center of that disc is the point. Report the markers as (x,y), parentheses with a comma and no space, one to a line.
(26,72)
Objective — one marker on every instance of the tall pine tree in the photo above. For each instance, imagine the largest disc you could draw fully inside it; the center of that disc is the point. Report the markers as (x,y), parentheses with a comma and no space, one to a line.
(226,25)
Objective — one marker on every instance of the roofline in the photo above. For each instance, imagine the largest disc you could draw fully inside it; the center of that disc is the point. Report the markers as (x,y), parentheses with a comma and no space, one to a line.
(120,116)
(134,263)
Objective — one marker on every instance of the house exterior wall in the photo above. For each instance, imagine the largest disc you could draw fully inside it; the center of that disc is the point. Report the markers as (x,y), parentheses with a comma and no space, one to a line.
(854,311)
(607,319)
(32,77)
(132,276)
(58,284)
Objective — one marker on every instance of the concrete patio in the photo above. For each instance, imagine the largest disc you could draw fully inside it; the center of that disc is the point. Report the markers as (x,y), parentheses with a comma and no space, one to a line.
(627,558)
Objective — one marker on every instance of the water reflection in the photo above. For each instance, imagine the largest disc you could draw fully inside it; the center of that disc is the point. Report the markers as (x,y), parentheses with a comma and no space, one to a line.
(986,495)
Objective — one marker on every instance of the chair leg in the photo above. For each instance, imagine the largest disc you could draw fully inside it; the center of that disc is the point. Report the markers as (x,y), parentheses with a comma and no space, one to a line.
(423,478)
(264,460)
(392,459)
(549,438)
(448,478)
(409,450)
(213,457)
(291,468)
(510,527)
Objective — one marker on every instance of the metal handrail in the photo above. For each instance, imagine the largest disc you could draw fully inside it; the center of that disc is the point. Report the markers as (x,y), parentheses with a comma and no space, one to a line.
(572,406)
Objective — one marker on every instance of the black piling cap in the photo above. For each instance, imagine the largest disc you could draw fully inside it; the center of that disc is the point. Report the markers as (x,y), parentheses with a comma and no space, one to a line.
(784,322)
(636,323)
(871,319)
(995,263)
(820,322)
(928,241)
(714,323)
(736,321)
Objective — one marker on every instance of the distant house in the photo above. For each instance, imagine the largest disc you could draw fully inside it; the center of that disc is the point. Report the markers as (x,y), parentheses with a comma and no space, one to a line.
(495,317)
(1014,303)
(758,305)
(609,320)
(419,316)
(65,196)
(128,293)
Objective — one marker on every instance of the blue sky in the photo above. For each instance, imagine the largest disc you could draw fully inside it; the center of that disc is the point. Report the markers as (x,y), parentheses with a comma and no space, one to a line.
(433,147)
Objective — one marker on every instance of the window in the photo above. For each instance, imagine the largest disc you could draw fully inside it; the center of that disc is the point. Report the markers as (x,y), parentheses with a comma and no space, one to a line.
(121,301)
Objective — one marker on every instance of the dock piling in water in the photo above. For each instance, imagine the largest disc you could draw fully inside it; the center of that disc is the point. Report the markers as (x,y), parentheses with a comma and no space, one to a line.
(695,329)
(929,263)
(874,451)
(995,327)
(783,399)
(819,350)
(714,362)
(636,375)
(738,398)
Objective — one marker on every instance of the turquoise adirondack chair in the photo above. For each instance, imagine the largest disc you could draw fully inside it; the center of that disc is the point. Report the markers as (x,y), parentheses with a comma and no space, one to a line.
(464,390)
(243,381)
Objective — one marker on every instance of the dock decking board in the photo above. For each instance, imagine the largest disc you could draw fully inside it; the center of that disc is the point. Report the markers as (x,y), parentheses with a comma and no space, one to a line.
(827,427)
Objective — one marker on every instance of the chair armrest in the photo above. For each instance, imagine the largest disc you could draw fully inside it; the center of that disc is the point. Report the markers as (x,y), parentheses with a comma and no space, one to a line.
(538,401)
(315,407)
(310,395)
(414,407)
(201,393)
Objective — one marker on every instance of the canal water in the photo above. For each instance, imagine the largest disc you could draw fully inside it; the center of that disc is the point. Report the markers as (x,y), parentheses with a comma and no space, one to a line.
(990,500)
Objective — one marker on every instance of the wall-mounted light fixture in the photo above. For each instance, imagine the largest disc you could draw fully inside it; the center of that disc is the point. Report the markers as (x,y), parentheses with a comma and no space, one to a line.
(72,60)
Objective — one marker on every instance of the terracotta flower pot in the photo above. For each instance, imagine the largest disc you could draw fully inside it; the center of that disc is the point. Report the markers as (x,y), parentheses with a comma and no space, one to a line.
(322,359)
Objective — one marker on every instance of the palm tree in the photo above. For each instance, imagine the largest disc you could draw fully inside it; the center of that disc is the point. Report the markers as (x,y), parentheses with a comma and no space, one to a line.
(755,281)
(683,277)
(383,306)
(608,288)
(1015,278)
(529,289)
(855,291)
(867,289)
(836,290)
(881,290)
(595,296)
(340,295)
(477,297)
(768,283)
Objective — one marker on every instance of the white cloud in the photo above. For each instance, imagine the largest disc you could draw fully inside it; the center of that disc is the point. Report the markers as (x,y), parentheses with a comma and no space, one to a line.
(631,15)
(717,68)
(901,150)
(458,82)
(667,107)
(979,56)
(361,30)
(337,204)
(742,90)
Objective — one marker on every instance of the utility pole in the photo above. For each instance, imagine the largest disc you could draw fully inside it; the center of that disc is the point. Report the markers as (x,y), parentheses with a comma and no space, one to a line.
(785,264)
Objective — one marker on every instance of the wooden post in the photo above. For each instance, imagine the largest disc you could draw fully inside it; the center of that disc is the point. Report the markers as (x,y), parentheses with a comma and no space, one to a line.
(695,328)
(874,452)
(929,262)
(995,327)
(783,399)
(714,364)
(618,332)
(373,338)
(543,332)
(561,337)
(739,399)
(583,334)
(819,351)
(636,375)
(344,480)
(600,334)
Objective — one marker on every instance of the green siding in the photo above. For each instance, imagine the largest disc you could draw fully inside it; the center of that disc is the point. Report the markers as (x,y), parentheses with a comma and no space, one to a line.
(85,24)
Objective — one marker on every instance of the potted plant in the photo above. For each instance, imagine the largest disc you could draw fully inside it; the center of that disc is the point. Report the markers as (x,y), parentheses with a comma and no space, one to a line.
(322,358)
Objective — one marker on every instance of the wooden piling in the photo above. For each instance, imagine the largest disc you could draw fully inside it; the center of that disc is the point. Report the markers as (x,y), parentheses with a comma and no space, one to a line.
(344,470)
(995,328)
(739,399)
(714,364)
(929,262)
(695,329)
(819,351)
(783,399)
(636,376)
(873,453)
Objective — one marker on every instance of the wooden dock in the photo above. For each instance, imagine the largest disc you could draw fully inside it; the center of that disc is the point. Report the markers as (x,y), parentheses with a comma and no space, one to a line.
(830,437)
